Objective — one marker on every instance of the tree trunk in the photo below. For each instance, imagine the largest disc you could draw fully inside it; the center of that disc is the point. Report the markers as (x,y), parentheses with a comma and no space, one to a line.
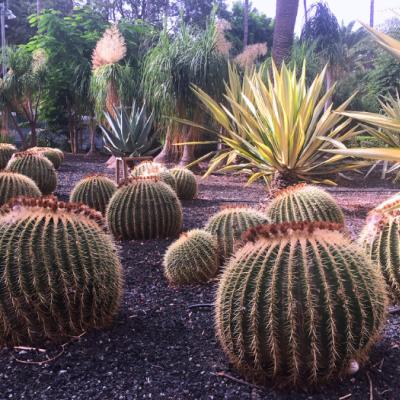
(166,154)
(5,131)
(285,20)
(372,13)
(188,150)
(305,10)
(329,83)
(33,134)
(38,6)
(92,134)
(245,23)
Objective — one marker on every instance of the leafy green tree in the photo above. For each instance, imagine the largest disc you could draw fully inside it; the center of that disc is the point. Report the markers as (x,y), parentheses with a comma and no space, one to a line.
(260,27)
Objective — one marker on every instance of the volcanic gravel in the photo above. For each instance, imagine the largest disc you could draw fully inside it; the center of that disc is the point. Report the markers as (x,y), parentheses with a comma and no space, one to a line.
(160,348)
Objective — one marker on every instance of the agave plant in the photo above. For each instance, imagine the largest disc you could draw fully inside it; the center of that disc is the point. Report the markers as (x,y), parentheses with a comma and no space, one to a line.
(129,133)
(278,126)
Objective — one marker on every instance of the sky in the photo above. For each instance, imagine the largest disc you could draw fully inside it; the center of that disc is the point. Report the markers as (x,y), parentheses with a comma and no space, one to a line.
(345,10)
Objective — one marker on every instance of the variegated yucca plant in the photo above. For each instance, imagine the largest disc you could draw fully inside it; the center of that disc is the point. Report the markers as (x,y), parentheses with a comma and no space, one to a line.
(275,126)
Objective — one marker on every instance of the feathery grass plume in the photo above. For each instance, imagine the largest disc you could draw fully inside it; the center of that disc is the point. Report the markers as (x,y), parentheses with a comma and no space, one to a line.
(110,49)
(299,304)
(222,44)
(62,276)
(248,57)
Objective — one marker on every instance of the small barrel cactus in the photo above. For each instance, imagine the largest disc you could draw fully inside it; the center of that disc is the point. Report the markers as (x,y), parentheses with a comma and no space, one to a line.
(6,152)
(380,238)
(193,258)
(55,156)
(59,271)
(299,304)
(186,184)
(151,168)
(36,167)
(95,191)
(229,224)
(304,203)
(14,185)
(144,208)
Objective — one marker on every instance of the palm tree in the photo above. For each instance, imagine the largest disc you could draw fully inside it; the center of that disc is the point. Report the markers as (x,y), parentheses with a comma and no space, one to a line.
(371,13)
(245,23)
(285,20)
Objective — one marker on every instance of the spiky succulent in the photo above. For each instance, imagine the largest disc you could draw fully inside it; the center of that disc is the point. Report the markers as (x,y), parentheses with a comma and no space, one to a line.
(298,304)
(193,258)
(59,271)
(151,168)
(144,208)
(304,203)
(186,184)
(14,185)
(6,152)
(95,191)
(229,224)
(36,167)
(55,156)
(380,238)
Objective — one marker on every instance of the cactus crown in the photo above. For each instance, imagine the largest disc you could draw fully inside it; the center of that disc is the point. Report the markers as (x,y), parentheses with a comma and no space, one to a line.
(27,153)
(391,204)
(52,205)
(7,146)
(290,189)
(138,179)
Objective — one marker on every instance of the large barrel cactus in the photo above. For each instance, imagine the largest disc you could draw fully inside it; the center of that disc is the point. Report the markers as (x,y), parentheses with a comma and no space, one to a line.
(186,184)
(193,258)
(55,156)
(229,224)
(299,304)
(36,167)
(304,203)
(6,152)
(59,271)
(95,191)
(151,168)
(14,185)
(380,238)
(144,208)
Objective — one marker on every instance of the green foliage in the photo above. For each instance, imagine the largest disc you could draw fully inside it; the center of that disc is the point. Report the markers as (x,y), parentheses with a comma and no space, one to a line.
(229,224)
(6,152)
(36,167)
(144,208)
(193,258)
(380,238)
(151,168)
(298,304)
(62,277)
(304,203)
(261,27)
(130,133)
(13,185)
(95,191)
(186,184)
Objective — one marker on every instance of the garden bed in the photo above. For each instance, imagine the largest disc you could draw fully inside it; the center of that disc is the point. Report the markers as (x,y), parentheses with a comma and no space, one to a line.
(159,346)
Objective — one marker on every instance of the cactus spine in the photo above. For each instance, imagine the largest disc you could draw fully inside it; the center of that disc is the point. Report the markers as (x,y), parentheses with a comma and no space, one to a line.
(144,208)
(298,303)
(193,258)
(186,184)
(36,167)
(59,271)
(151,168)
(14,185)
(304,203)
(95,191)
(229,224)
(380,238)
(6,152)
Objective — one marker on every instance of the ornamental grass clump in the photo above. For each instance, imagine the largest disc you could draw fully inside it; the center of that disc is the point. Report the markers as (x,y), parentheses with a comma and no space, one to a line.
(304,203)
(229,224)
(193,258)
(59,271)
(36,167)
(186,184)
(13,185)
(299,304)
(380,238)
(6,152)
(95,191)
(144,208)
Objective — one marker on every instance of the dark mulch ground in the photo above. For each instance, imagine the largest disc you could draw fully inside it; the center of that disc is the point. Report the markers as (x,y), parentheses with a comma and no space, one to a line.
(159,348)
